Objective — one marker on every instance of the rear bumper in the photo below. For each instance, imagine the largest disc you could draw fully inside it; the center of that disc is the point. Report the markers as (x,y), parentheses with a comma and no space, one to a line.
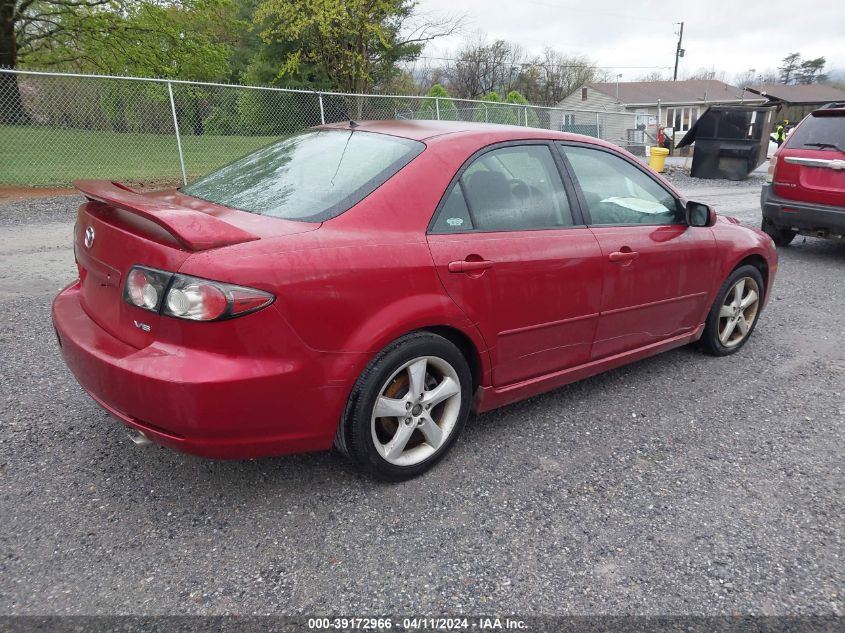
(814,219)
(200,402)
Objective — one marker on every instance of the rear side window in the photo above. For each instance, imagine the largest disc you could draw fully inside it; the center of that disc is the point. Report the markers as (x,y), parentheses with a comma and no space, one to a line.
(819,132)
(454,214)
(311,176)
(514,188)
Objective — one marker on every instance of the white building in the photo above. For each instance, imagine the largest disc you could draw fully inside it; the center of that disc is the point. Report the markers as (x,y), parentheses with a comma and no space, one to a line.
(636,108)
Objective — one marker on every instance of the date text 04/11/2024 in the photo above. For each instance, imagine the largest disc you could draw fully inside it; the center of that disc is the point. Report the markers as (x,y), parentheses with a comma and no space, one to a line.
(416,623)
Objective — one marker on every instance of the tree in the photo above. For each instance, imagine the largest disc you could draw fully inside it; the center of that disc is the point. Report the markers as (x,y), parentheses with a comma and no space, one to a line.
(401,82)
(266,60)
(179,39)
(746,78)
(480,67)
(708,74)
(493,110)
(654,75)
(185,39)
(524,116)
(789,67)
(810,71)
(426,73)
(769,76)
(26,25)
(795,70)
(439,106)
(552,76)
(507,111)
(752,77)
(356,43)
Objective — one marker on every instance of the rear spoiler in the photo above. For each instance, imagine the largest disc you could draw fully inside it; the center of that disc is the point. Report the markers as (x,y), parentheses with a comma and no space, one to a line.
(195,230)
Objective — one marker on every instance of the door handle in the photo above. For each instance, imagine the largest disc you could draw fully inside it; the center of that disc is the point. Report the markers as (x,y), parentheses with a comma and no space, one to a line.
(465,266)
(623,256)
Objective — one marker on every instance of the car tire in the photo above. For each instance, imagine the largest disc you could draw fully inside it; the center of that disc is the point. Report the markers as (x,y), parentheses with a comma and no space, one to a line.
(780,235)
(425,380)
(735,312)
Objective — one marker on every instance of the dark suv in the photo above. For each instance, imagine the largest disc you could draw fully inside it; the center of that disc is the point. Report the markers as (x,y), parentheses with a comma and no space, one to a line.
(805,188)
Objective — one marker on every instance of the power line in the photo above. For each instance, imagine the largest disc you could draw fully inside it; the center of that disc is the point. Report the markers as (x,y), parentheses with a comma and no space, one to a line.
(595,11)
(529,64)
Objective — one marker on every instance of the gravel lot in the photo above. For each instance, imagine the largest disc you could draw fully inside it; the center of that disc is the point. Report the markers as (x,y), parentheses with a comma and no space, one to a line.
(682,484)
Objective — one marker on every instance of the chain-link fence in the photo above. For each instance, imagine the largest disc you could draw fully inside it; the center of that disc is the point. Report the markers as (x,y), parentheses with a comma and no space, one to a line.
(55,128)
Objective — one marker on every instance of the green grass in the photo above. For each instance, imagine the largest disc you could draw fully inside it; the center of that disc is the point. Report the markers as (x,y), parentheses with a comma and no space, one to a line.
(39,156)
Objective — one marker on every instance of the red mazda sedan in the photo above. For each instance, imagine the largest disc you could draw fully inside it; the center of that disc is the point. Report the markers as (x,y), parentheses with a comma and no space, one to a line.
(369,284)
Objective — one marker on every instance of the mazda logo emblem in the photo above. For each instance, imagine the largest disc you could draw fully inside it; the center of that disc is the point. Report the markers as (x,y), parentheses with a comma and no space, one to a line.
(89,237)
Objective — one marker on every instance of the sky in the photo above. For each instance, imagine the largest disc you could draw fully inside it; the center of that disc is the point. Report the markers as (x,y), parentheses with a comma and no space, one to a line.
(733,36)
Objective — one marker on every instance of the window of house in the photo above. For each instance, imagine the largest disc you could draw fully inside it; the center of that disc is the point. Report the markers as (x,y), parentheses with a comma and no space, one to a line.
(569,119)
(583,94)
(681,119)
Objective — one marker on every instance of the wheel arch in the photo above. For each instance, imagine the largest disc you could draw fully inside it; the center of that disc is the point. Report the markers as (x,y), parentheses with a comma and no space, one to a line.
(467,347)
(759,262)
(431,312)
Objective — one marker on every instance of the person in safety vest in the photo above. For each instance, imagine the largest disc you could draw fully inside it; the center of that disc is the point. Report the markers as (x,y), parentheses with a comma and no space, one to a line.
(780,132)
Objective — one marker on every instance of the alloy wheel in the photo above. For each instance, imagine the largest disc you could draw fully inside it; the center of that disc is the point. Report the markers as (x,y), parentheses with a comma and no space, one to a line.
(416,411)
(739,311)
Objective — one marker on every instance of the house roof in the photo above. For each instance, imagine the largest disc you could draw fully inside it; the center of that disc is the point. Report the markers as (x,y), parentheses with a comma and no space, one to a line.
(801,93)
(686,91)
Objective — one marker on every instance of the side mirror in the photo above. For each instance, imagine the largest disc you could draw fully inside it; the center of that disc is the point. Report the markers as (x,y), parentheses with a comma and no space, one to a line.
(698,214)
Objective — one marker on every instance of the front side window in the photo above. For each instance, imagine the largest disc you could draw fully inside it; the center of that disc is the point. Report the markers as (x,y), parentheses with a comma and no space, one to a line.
(507,189)
(616,192)
(311,176)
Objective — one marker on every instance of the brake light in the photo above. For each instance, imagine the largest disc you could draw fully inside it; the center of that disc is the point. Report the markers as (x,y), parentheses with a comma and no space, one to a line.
(199,301)
(145,287)
(192,298)
(773,168)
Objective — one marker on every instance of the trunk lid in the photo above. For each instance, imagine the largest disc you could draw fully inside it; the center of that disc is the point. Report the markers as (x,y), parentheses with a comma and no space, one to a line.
(118,228)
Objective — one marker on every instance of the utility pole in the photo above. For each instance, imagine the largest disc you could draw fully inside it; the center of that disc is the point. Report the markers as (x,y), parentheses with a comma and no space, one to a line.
(679,52)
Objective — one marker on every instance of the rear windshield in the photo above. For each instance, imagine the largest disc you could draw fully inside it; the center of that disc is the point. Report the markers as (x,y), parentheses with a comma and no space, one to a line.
(826,130)
(311,176)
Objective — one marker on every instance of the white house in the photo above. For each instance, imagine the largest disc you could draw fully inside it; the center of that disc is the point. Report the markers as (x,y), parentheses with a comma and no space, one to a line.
(640,106)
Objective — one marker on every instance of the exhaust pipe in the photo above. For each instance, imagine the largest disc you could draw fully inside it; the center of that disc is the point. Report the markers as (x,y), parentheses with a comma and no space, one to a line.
(138,438)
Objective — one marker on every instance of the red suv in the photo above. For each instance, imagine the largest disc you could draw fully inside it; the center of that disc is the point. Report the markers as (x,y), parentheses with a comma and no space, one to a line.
(805,188)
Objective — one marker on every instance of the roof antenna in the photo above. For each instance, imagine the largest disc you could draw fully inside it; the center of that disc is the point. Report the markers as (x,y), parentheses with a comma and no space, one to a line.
(352,124)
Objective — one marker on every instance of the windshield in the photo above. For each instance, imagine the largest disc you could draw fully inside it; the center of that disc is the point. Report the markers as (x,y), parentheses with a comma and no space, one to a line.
(819,132)
(311,176)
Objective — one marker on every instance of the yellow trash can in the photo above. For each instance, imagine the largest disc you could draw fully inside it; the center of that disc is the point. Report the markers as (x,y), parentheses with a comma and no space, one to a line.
(657,161)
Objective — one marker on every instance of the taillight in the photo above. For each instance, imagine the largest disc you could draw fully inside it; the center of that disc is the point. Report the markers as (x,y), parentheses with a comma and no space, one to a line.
(192,298)
(773,167)
(200,301)
(145,287)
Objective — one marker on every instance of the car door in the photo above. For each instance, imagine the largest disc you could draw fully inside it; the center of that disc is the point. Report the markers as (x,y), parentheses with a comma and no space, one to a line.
(657,271)
(515,255)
